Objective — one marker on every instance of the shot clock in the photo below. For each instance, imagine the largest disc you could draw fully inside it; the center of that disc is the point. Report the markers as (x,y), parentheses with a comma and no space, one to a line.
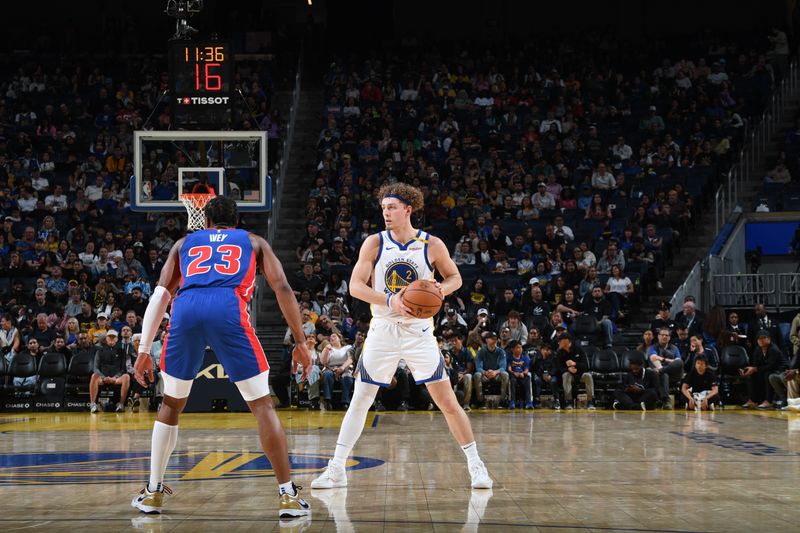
(201,74)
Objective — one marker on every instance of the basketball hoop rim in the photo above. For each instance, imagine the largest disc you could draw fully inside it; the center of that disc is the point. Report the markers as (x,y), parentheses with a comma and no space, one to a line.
(195,204)
(197,197)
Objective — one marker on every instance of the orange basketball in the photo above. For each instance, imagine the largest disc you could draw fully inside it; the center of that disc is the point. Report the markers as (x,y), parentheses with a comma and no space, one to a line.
(423,298)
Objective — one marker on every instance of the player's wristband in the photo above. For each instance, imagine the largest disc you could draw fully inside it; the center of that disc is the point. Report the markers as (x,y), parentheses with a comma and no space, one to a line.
(389,300)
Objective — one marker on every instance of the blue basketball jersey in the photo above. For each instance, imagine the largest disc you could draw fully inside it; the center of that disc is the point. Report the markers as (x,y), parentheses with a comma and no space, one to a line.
(218,258)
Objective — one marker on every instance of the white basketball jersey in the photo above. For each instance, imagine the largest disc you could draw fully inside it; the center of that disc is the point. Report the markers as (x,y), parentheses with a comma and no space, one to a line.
(397,266)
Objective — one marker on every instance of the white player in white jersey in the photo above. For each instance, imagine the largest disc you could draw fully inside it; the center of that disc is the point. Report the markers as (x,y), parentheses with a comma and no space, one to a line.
(387,263)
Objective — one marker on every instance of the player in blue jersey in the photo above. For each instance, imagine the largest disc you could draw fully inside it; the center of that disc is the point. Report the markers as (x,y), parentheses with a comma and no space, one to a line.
(387,263)
(212,274)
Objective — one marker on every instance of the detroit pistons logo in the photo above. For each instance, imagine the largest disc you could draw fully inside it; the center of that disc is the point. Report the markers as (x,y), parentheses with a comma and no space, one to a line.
(399,275)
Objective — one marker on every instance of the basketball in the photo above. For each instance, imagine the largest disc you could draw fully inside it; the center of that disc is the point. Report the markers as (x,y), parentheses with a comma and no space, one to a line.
(422,298)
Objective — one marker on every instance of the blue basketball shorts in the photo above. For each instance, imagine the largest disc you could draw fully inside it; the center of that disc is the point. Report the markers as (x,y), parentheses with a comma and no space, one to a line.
(214,317)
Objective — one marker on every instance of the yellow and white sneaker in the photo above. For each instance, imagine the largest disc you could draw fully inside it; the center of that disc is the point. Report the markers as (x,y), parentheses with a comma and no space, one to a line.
(150,502)
(293,506)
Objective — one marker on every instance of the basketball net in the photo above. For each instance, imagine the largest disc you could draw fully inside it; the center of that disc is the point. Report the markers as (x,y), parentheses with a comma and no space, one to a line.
(194,204)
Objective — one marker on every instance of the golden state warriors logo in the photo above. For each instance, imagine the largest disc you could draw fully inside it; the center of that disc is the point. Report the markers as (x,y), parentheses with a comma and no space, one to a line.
(126,467)
(399,275)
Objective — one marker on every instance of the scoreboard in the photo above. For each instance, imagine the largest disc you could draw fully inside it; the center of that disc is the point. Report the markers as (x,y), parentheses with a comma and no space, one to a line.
(201,78)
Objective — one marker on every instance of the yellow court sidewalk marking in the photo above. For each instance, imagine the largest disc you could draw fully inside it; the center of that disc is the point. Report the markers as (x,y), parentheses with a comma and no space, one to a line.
(297,419)
(293,419)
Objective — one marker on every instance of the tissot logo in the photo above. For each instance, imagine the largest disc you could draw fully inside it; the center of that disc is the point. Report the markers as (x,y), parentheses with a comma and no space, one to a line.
(214,371)
(202,100)
(125,467)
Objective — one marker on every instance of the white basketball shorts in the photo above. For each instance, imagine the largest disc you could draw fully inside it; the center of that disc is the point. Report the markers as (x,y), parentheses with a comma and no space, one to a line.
(388,342)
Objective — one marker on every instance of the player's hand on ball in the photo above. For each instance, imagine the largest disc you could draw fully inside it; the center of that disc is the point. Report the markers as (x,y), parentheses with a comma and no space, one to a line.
(399,307)
(439,288)
(301,355)
(143,370)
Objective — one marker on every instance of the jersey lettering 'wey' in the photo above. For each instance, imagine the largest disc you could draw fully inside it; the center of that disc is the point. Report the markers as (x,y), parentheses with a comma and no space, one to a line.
(218,258)
(397,266)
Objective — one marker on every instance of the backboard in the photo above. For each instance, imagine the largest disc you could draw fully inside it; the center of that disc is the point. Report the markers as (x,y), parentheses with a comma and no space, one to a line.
(169,163)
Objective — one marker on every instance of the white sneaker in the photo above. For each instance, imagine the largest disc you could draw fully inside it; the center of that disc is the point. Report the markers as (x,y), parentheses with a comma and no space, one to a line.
(480,476)
(333,477)
(93,408)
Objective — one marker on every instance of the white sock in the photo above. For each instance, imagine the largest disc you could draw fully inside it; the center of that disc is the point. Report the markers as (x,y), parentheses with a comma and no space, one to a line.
(164,439)
(287,488)
(353,422)
(471,451)
(341,454)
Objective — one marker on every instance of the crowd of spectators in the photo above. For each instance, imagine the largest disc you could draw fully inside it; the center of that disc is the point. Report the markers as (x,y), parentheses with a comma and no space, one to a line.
(685,358)
(75,261)
(562,185)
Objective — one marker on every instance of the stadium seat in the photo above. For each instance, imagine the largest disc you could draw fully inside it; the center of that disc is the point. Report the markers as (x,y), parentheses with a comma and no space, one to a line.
(732,359)
(606,373)
(23,365)
(620,351)
(469,272)
(80,370)
(4,375)
(496,283)
(549,214)
(585,330)
(512,227)
(52,376)
(626,357)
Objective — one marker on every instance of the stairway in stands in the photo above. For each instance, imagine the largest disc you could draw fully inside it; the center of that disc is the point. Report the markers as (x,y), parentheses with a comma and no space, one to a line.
(703,235)
(271,325)
(258,223)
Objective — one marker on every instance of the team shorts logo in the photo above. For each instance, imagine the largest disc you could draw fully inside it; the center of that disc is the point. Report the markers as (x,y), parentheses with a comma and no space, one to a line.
(126,467)
(400,275)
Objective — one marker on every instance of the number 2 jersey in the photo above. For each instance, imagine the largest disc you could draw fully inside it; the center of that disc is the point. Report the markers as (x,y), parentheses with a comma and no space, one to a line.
(218,258)
(397,266)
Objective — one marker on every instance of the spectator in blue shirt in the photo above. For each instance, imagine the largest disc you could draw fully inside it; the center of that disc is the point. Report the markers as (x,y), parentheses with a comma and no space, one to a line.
(56,284)
(164,190)
(490,365)
(133,280)
(106,203)
(665,358)
(35,256)
(519,371)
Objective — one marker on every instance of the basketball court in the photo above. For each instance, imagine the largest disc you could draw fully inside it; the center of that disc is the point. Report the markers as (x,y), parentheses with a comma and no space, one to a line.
(553,471)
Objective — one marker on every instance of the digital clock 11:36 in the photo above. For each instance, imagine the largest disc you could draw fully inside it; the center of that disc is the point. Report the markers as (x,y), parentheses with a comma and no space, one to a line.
(200,75)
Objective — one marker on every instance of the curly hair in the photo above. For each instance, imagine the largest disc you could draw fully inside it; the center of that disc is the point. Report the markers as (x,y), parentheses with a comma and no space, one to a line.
(222,211)
(408,194)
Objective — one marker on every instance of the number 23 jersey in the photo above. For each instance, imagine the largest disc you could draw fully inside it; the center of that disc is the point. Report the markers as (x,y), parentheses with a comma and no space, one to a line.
(221,258)
(398,265)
